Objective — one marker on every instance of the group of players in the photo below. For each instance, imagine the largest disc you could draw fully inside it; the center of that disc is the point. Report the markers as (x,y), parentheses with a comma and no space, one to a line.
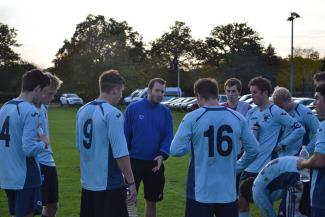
(229,145)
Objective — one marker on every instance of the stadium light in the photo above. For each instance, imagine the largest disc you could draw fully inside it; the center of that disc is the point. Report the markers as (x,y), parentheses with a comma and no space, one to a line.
(293,15)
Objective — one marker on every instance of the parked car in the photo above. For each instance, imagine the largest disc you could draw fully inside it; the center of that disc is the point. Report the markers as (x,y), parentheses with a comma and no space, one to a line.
(222,98)
(130,98)
(71,99)
(169,93)
(303,100)
(245,97)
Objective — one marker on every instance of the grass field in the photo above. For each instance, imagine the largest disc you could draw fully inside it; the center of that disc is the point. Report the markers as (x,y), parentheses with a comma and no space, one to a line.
(62,127)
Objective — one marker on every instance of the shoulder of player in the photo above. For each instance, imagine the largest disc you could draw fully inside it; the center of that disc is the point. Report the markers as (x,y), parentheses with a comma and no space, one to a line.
(252,110)
(27,108)
(303,110)
(277,111)
(195,115)
(236,114)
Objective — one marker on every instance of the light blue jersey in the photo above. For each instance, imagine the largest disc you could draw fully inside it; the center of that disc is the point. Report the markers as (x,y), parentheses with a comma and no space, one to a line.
(18,146)
(310,122)
(267,125)
(318,179)
(275,178)
(100,140)
(46,156)
(213,135)
(278,174)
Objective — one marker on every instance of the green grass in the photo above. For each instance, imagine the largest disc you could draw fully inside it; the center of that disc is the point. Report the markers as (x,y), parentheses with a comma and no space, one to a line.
(62,127)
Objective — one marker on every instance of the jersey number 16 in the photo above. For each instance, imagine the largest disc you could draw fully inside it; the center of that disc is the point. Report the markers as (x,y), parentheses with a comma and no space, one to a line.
(220,139)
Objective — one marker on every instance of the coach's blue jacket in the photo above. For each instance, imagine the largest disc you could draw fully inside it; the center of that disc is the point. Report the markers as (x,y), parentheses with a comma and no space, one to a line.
(148,129)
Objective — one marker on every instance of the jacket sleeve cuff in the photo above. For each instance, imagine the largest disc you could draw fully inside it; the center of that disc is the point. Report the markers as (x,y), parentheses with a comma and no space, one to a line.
(164,155)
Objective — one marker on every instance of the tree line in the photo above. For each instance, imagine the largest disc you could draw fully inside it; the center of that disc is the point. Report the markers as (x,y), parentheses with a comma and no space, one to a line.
(98,44)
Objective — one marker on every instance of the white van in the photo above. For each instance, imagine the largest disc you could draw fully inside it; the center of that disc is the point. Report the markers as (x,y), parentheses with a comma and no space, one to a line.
(170,92)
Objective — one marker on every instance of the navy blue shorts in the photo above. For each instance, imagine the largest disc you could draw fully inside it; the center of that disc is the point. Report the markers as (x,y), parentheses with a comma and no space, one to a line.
(317,212)
(195,209)
(50,186)
(109,203)
(153,182)
(25,201)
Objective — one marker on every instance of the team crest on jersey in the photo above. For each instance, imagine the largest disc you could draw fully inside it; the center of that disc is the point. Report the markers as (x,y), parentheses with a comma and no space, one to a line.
(34,114)
(118,115)
(141,117)
(296,125)
(266,117)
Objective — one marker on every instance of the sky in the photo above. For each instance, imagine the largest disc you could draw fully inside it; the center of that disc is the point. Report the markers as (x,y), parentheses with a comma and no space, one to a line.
(43,25)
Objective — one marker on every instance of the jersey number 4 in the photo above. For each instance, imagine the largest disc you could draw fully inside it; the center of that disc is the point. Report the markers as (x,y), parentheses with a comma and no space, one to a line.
(88,133)
(220,139)
(4,135)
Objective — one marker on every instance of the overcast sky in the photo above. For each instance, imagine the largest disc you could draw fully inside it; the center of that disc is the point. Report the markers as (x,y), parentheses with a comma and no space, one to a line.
(43,24)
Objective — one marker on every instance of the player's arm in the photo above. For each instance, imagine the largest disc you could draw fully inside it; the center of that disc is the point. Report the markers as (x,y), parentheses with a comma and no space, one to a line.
(316,161)
(297,131)
(128,126)
(182,140)
(125,167)
(250,145)
(167,136)
(312,124)
(32,144)
(119,149)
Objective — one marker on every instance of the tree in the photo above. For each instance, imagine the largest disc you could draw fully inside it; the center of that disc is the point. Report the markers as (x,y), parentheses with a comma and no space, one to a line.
(174,45)
(7,41)
(227,41)
(98,45)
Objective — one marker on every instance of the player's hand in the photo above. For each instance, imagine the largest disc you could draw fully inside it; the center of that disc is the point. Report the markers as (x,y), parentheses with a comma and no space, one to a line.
(299,164)
(159,160)
(132,196)
(43,138)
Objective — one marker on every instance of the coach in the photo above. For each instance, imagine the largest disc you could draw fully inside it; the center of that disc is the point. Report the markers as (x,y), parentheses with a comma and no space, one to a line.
(149,132)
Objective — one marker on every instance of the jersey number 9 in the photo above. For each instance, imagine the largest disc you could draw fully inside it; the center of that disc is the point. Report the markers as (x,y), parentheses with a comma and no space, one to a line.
(88,133)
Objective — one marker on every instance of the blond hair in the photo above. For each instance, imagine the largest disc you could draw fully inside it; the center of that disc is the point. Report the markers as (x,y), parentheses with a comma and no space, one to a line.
(55,81)
(281,94)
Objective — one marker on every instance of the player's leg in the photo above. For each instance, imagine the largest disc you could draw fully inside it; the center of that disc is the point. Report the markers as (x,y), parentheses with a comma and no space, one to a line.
(226,209)
(50,191)
(87,205)
(263,202)
(112,203)
(195,209)
(154,183)
(304,205)
(243,204)
(27,202)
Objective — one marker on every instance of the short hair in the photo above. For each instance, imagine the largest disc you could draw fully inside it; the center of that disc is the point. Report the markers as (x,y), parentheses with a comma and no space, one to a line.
(55,81)
(154,80)
(233,82)
(33,78)
(245,189)
(207,88)
(262,83)
(281,94)
(109,80)
(321,89)
(319,76)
